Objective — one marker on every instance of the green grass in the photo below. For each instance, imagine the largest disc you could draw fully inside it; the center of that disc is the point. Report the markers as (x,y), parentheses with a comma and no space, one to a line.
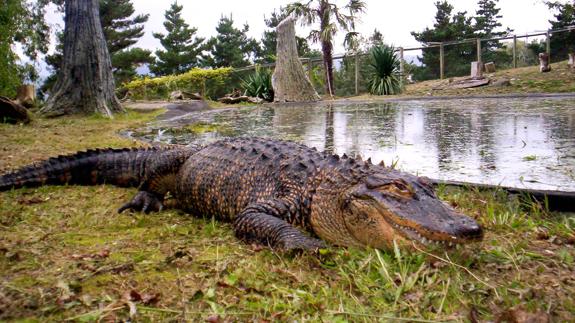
(66,254)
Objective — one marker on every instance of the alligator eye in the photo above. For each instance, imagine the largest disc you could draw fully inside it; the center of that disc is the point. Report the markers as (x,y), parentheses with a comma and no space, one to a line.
(397,188)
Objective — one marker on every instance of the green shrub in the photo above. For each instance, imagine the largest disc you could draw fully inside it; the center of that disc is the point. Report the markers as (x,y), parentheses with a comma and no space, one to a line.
(210,83)
(385,79)
(259,84)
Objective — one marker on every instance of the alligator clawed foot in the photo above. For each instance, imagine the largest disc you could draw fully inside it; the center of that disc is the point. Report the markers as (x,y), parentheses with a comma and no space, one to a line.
(301,244)
(144,201)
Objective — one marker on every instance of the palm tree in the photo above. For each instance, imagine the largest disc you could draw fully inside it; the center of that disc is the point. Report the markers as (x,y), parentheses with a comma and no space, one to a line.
(325,12)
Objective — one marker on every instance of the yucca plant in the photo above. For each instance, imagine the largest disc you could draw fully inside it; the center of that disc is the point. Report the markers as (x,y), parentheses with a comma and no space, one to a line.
(259,84)
(386,78)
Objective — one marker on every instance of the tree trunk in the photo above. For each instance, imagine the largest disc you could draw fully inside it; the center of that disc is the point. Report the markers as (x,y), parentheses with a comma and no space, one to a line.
(326,49)
(26,95)
(85,82)
(289,80)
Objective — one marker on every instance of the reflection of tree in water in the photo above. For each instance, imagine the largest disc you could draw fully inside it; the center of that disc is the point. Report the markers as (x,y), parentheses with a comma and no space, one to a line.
(367,127)
(562,134)
(450,131)
(384,119)
(329,131)
(486,142)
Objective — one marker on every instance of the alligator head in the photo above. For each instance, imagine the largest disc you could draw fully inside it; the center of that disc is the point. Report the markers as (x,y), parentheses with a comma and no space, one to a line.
(384,205)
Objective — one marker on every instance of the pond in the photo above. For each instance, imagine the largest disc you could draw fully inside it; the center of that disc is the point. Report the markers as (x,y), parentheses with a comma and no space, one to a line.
(517,142)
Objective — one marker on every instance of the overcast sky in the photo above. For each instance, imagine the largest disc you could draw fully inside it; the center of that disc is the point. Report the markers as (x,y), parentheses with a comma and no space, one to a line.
(395,19)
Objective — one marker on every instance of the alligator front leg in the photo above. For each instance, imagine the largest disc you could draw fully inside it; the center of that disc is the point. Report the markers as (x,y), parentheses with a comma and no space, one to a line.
(160,178)
(257,224)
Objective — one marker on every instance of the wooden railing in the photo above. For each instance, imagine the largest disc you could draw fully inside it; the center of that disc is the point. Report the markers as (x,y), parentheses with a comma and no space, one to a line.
(441,45)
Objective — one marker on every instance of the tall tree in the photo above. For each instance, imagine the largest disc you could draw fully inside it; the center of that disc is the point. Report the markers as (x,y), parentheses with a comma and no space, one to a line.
(331,18)
(486,24)
(564,16)
(121,30)
(85,82)
(267,52)
(447,27)
(183,50)
(231,47)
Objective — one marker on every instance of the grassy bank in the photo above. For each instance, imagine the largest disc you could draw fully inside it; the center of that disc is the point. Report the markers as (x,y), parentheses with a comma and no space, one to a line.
(66,254)
(522,80)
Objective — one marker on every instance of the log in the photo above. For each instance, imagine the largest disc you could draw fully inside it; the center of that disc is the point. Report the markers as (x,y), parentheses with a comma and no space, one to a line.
(239,99)
(12,111)
(556,200)
(26,95)
(289,80)
(183,95)
(544,63)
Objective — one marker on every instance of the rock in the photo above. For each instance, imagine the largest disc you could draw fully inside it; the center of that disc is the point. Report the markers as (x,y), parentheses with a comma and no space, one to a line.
(544,63)
(180,109)
(503,82)
(490,67)
(476,70)
(12,111)
(182,95)
(289,80)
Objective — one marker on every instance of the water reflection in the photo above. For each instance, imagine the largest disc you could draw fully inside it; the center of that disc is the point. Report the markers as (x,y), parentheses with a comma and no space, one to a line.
(513,142)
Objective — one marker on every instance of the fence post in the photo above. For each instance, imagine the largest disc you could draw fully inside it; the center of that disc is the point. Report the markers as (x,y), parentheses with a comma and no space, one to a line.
(479,52)
(514,51)
(441,61)
(356,73)
(401,66)
(548,41)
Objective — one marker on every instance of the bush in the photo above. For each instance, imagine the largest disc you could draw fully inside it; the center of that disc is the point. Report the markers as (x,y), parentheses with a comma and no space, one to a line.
(385,79)
(259,84)
(210,83)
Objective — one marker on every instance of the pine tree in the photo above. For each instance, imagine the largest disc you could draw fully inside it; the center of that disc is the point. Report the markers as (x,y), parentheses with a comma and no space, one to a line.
(183,50)
(122,31)
(376,38)
(564,42)
(267,53)
(447,27)
(231,47)
(486,24)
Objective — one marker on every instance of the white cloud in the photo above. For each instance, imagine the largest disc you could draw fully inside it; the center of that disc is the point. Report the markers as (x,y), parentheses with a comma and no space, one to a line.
(395,19)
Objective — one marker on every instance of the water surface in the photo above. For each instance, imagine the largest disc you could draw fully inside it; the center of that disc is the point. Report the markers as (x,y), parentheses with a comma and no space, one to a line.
(526,142)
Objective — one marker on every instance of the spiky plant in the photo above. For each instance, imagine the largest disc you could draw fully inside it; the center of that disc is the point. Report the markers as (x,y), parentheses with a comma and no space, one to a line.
(386,78)
(259,84)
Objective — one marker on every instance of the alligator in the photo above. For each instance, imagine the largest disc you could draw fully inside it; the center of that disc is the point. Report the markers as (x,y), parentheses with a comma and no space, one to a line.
(277,193)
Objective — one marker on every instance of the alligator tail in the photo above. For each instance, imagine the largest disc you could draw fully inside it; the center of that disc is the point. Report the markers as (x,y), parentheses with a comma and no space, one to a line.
(121,167)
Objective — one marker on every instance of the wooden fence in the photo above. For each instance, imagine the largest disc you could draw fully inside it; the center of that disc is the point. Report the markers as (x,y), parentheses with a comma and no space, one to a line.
(310,62)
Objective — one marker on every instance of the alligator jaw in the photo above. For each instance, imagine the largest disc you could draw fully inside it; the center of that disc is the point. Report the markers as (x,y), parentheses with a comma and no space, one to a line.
(426,238)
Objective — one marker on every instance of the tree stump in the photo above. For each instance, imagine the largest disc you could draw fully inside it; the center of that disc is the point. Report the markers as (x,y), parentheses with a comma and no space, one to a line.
(12,111)
(476,70)
(26,95)
(85,82)
(289,80)
(490,67)
(544,63)
(571,61)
